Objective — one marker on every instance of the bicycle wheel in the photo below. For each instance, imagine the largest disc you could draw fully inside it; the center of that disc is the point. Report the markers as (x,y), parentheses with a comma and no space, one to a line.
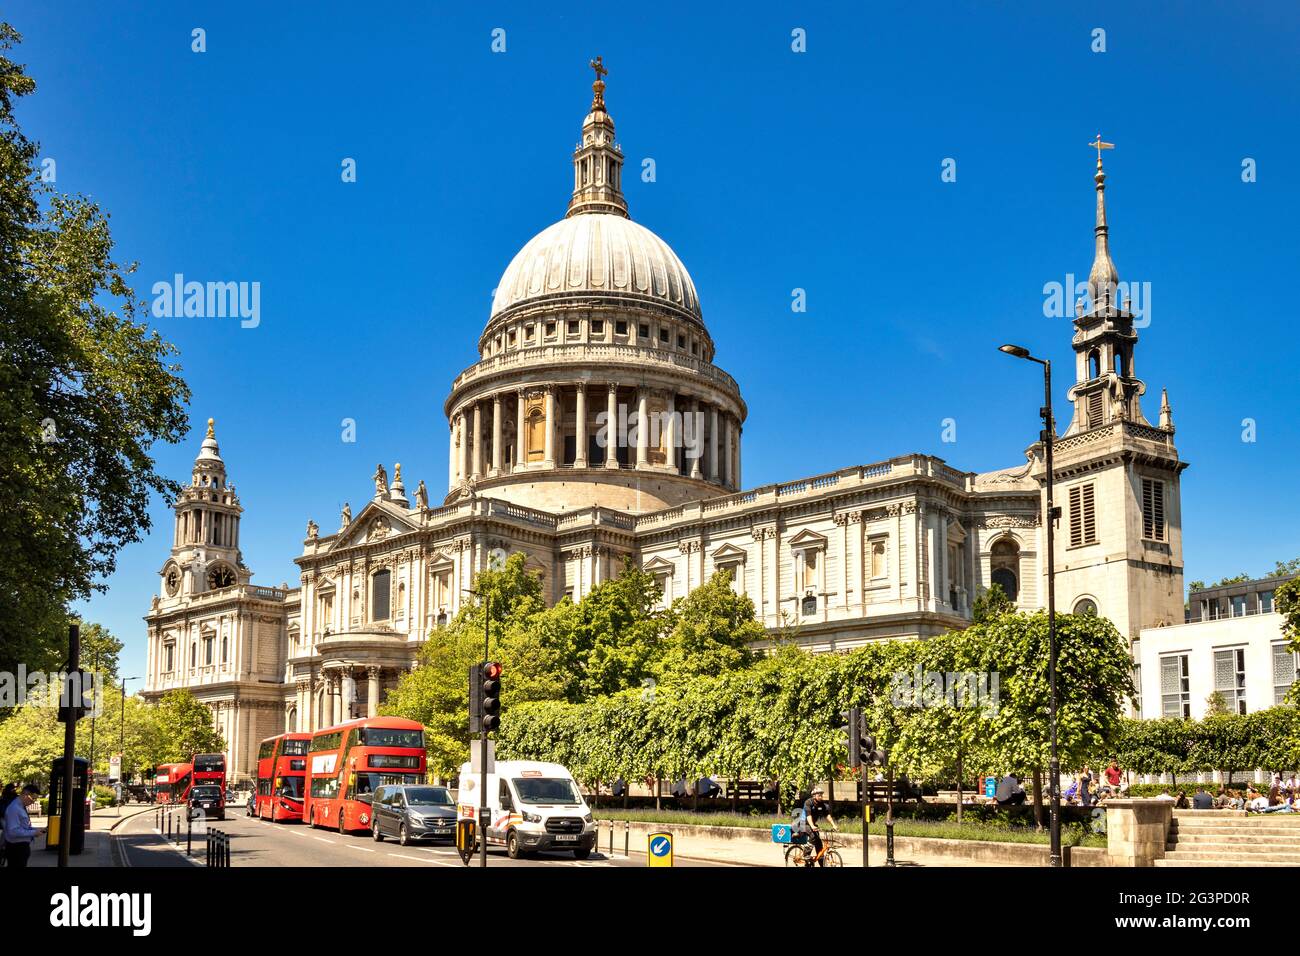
(794,855)
(832,858)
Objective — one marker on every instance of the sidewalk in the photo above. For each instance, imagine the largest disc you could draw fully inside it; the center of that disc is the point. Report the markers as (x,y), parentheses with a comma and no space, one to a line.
(746,847)
(98,850)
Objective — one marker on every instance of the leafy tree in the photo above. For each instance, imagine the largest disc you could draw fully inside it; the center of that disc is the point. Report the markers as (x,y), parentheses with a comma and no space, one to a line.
(100,650)
(1215,704)
(85,390)
(1282,568)
(188,727)
(1287,602)
(710,631)
(992,602)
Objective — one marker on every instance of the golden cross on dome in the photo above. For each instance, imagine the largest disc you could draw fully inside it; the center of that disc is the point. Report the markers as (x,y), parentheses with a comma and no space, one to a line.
(599,67)
(1098,145)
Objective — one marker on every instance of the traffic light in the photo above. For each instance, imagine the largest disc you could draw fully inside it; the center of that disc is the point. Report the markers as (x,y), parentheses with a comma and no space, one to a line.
(491,704)
(869,754)
(852,731)
(475,699)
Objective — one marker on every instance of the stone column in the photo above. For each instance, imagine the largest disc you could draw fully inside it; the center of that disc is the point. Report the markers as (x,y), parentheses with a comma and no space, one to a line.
(580,428)
(642,427)
(464,447)
(521,456)
(672,439)
(476,466)
(611,428)
(372,691)
(697,437)
(336,695)
(726,450)
(713,444)
(496,434)
(736,451)
(549,457)
(451,453)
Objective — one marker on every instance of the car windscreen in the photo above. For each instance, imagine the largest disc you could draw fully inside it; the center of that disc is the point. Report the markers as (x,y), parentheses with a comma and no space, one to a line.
(429,797)
(537,790)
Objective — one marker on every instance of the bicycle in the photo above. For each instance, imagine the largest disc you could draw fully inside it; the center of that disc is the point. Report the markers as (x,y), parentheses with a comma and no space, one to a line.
(803,854)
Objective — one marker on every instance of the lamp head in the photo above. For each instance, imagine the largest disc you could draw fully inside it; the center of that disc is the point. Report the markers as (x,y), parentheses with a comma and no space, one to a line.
(1017,350)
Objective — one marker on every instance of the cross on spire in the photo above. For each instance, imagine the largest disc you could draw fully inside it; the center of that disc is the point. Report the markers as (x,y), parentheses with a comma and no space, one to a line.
(598,88)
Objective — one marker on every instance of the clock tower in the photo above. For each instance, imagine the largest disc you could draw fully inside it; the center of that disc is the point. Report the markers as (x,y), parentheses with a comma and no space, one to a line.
(205,543)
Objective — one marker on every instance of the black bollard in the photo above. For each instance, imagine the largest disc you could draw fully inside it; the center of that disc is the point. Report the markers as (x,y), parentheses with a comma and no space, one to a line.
(189,835)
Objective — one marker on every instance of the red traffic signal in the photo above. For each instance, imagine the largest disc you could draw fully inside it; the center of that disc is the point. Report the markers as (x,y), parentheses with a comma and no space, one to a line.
(491,671)
(491,704)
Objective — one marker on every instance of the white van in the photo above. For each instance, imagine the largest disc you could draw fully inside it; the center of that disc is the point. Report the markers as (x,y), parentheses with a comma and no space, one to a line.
(532,806)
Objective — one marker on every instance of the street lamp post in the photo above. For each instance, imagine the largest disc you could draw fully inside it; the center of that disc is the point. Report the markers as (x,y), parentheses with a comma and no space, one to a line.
(1049,439)
(121,749)
(483,815)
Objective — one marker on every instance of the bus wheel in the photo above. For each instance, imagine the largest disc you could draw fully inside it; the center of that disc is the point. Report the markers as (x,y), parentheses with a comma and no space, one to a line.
(374,831)
(512,845)
(341,830)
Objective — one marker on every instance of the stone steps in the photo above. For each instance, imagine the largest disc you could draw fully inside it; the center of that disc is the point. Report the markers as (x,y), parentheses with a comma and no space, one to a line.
(1233,836)
(1171,862)
(1214,838)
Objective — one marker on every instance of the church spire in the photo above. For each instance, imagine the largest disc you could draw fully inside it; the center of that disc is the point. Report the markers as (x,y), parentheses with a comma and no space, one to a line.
(598,162)
(1103,280)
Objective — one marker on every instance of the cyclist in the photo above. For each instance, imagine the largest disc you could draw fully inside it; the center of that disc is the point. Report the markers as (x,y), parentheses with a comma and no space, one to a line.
(816,809)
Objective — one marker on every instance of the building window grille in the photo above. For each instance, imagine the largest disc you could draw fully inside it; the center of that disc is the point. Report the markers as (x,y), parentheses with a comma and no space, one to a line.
(1230,678)
(1175,687)
(1083,516)
(1153,509)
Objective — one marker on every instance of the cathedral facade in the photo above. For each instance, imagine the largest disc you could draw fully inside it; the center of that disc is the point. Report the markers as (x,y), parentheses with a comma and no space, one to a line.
(595,428)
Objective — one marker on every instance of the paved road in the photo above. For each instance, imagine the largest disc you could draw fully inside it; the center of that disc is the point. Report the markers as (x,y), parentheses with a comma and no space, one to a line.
(259,843)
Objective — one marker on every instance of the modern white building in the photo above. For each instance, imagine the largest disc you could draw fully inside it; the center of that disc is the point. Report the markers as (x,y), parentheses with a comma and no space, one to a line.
(595,428)
(1232,644)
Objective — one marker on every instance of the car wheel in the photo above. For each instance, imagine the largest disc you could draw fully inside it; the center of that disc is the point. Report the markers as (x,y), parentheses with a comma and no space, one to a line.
(403,837)
(512,845)
(374,830)
(582,852)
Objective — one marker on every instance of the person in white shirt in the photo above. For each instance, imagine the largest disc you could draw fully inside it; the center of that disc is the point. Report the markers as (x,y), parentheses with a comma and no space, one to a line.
(18,829)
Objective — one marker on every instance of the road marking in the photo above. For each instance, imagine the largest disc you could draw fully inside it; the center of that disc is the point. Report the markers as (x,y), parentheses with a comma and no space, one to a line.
(420,859)
(323,840)
(297,833)
(363,849)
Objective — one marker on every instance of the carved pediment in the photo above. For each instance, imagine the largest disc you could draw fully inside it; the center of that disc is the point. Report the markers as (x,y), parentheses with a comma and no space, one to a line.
(807,539)
(378,520)
(728,554)
(658,565)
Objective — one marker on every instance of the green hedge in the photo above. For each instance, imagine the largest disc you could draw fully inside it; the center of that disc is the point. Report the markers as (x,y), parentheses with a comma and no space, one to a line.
(781,717)
(1241,743)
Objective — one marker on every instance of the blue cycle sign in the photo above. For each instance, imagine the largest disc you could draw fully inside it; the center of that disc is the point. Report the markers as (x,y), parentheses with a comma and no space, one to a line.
(660,849)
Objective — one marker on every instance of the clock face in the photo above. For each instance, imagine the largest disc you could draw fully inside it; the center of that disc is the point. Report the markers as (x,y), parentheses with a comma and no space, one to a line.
(220,577)
(173,581)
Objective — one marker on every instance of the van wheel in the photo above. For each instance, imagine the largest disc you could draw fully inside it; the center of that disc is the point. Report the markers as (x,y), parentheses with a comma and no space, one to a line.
(582,852)
(403,836)
(374,831)
(512,845)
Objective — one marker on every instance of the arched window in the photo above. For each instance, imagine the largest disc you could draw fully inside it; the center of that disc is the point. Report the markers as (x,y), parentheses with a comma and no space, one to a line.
(1094,364)
(536,434)
(1086,606)
(1119,364)
(1004,567)
(225,646)
(380,584)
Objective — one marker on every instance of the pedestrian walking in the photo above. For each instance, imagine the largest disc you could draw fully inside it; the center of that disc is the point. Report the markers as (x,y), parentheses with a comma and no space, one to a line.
(18,829)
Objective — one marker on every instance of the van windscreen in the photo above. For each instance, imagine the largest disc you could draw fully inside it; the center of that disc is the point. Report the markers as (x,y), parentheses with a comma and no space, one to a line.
(537,790)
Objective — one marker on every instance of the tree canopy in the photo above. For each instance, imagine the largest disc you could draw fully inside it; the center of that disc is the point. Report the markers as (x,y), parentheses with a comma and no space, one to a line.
(85,390)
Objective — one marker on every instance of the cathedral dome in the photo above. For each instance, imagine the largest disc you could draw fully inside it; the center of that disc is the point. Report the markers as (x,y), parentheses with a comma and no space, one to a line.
(597,256)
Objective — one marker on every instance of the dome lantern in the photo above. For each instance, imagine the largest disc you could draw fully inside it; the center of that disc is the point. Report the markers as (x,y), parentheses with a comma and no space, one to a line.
(598,162)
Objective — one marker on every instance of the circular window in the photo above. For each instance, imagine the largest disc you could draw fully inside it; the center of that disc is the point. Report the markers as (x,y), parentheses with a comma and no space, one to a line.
(1086,606)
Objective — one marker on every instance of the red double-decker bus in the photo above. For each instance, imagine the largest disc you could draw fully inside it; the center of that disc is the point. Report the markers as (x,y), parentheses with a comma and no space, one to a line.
(281,777)
(347,762)
(210,769)
(172,782)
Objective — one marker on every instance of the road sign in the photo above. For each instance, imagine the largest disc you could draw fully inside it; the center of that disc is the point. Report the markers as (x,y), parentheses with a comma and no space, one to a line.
(659,849)
(990,786)
(115,767)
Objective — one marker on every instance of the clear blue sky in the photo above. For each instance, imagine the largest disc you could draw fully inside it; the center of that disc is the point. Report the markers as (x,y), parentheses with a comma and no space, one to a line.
(776,170)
